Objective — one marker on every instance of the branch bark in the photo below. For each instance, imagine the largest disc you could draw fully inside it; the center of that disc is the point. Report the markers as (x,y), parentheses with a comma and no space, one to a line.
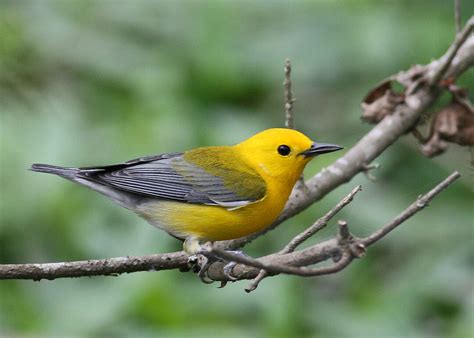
(95,267)
(289,100)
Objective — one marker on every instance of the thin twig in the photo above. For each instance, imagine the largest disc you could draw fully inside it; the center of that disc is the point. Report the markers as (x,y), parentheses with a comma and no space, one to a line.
(289,115)
(289,100)
(457,15)
(368,168)
(446,62)
(256,281)
(344,233)
(320,223)
(416,206)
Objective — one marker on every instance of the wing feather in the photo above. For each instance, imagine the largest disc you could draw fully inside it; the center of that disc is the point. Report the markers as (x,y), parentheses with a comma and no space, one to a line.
(171,176)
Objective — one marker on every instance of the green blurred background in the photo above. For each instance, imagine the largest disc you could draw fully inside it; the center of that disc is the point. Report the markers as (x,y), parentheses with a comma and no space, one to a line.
(98,82)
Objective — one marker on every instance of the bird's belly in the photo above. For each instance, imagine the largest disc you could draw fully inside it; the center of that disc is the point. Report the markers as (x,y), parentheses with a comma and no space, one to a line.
(212,223)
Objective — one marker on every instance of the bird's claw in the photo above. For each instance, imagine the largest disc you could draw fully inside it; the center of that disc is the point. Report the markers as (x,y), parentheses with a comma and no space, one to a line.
(200,264)
(228,271)
(228,268)
(202,274)
(193,263)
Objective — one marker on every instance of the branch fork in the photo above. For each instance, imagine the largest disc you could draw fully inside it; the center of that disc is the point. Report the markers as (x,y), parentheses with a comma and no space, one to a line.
(343,249)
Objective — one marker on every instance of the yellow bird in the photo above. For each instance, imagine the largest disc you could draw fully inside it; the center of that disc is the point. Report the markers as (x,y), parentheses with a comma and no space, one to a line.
(209,193)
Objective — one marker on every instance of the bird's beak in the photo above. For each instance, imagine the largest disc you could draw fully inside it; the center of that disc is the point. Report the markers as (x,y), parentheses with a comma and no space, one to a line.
(320,148)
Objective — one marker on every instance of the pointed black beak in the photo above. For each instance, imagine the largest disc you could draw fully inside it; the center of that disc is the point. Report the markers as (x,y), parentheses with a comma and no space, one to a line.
(320,148)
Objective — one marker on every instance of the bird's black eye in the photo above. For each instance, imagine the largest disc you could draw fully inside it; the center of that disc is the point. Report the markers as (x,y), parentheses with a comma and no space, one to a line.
(284,150)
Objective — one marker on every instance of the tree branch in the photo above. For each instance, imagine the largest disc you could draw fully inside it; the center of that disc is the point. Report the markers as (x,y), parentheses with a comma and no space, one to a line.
(275,268)
(95,267)
(343,249)
(403,118)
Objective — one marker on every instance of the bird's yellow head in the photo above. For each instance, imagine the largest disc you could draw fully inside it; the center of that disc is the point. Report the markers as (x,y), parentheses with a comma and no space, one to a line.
(282,153)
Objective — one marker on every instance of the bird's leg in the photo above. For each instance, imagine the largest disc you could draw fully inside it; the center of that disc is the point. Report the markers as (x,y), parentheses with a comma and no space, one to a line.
(191,246)
(203,275)
(210,258)
(195,262)
(200,259)
(200,263)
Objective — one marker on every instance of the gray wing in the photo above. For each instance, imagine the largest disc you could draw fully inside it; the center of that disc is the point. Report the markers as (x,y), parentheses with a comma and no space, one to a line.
(169,176)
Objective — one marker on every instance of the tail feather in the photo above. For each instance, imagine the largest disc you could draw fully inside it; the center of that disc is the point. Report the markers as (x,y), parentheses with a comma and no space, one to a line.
(68,173)
(79,175)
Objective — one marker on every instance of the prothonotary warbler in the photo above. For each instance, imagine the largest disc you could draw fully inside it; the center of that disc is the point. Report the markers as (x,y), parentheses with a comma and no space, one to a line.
(209,193)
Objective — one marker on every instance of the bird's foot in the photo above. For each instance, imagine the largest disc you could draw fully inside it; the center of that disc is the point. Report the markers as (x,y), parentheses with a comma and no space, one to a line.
(228,271)
(199,264)
(193,263)
(229,267)
(204,258)
(203,273)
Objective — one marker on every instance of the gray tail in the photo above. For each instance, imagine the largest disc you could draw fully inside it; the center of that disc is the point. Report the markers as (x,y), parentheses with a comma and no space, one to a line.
(123,198)
(68,173)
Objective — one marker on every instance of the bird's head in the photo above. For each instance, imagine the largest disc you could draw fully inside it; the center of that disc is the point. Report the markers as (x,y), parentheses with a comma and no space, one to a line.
(282,153)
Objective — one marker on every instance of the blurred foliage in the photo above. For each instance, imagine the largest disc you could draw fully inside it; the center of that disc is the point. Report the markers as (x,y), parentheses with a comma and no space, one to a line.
(97,82)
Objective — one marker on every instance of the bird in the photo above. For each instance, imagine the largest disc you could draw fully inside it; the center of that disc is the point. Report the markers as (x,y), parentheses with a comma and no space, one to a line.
(206,194)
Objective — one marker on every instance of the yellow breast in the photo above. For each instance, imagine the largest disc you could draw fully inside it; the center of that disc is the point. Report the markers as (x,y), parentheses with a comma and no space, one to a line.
(215,223)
